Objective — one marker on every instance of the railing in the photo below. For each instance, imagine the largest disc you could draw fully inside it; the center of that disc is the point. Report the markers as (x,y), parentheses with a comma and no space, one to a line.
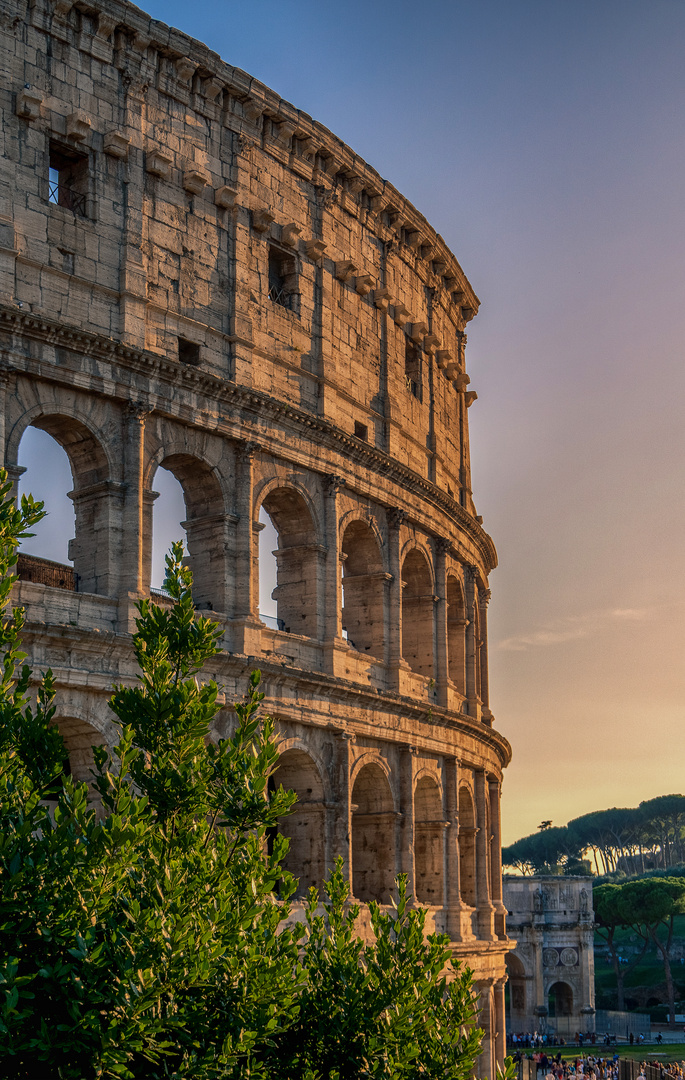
(68,198)
(272,622)
(46,572)
(281,297)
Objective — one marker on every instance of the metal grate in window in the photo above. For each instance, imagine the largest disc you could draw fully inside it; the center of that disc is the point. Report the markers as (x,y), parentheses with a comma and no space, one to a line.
(71,200)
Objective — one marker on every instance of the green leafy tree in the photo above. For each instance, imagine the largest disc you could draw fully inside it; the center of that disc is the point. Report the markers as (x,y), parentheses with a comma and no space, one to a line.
(378,1010)
(609,918)
(148,938)
(650,906)
(551,850)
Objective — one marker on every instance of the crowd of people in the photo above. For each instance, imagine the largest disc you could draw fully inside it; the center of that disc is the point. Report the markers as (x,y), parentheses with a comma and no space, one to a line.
(534,1039)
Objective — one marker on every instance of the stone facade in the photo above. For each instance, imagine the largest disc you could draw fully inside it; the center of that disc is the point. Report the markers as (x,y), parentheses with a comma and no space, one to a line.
(194,275)
(552,969)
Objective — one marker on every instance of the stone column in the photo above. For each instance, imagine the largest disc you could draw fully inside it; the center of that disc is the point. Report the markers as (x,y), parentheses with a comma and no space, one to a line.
(470,660)
(246,624)
(486,1064)
(494,792)
(5,373)
(341,842)
(450,772)
(334,643)
(393,656)
(405,845)
(500,1033)
(484,689)
(442,546)
(485,909)
(133,531)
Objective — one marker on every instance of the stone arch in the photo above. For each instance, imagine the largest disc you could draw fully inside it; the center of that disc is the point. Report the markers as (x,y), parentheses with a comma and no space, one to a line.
(95,498)
(560,1000)
(364,589)
(373,835)
(305,826)
(299,558)
(516,985)
(418,612)
(456,633)
(205,525)
(467,847)
(428,843)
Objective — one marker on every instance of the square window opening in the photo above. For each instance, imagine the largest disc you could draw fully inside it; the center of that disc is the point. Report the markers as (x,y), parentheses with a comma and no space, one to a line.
(283,279)
(68,179)
(188,352)
(412,369)
(361,431)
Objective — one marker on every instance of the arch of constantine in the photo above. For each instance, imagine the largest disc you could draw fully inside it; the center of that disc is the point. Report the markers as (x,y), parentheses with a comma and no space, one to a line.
(196,276)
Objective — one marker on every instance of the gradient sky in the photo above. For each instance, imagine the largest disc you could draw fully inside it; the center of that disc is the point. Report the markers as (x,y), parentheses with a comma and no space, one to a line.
(544,141)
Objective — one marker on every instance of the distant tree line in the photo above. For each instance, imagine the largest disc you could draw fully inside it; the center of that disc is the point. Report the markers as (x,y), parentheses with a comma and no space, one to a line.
(626,840)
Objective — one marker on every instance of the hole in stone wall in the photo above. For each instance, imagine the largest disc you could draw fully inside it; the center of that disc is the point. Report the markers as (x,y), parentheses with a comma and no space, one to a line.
(169,511)
(68,179)
(48,477)
(361,431)
(188,352)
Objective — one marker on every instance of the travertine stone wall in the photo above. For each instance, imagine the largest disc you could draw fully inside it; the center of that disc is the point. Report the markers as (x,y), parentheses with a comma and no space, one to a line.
(195,275)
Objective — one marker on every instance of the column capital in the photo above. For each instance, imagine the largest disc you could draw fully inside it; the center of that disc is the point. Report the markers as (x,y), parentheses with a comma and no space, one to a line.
(442,545)
(246,452)
(137,411)
(395,517)
(333,484)
(484,596)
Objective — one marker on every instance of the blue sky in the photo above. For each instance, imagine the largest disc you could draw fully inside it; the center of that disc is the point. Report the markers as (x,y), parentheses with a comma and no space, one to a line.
(544,140)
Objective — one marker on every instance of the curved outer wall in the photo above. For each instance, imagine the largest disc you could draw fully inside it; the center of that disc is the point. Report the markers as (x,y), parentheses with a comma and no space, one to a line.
(216,285)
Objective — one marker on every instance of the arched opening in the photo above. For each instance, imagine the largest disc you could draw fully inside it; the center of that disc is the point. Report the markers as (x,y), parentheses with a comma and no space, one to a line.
(298,559)
(363,590)
(168,515)
(373,836)
(467,848)
(79,739)
(204,525)
(515,989)
(560,1000)
(428,843)
(83,533)
(304,827)
(268,570)
(417,613)
(456,631)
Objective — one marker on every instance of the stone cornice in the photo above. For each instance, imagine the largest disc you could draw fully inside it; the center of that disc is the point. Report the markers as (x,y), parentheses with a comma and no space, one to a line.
(149,365)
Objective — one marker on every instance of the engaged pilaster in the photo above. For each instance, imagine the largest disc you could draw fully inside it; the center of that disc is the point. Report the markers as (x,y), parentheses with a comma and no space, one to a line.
(485,909)
(133,530)
(334,645)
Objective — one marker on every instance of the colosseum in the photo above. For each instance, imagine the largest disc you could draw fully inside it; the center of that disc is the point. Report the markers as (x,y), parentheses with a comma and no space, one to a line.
(197,277)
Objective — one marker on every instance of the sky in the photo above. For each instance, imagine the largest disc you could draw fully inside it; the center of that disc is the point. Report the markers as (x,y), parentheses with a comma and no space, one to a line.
(544,139)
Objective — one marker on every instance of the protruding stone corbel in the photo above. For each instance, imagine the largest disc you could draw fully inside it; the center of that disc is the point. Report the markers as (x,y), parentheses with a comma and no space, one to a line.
(462,380)
(467,312)
(401,314)
(185,69)
(418,332)
(382,298)
(428,250)
(450,282)
(363,284)
(252,111)
(331,165)
(158,163)
(469,397)
(195,180)
(29,102)
(78,126)
(211,88)
(442,358)
(116,144)
(61,8)
(262,220)
(377,203)
(439,267)
(430,343)
(355,184)
(345,270)
(414,239)
(314,249)
(106,26)
(452,372)
(285,133)
(290,234)
(225,196)
(458,296)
